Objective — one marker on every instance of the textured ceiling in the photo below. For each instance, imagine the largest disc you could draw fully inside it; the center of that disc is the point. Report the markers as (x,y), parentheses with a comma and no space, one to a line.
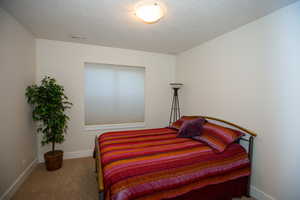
(186,24)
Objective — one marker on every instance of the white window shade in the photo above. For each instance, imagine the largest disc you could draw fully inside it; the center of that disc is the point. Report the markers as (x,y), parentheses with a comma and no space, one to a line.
(114,94)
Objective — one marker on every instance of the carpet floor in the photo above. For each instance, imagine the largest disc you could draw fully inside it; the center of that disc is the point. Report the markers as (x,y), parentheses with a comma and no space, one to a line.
(76,180)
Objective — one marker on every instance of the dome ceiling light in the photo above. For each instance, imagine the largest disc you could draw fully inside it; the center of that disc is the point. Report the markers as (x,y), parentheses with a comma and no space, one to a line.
(149,11)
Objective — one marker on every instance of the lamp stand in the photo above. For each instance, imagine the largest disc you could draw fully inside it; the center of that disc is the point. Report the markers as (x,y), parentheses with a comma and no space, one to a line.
(175,109)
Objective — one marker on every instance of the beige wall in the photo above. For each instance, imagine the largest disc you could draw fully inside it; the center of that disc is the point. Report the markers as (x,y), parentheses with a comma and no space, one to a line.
(17,70)
(251,76)
(65,62)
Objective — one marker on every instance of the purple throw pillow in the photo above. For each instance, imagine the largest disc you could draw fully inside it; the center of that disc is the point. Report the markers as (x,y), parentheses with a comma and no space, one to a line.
(191,128)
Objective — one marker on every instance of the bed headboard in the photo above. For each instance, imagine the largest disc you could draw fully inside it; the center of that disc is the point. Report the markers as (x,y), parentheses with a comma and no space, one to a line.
(251,133)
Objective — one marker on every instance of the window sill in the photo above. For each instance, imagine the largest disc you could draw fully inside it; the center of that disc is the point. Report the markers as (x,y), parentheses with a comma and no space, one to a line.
(115,126)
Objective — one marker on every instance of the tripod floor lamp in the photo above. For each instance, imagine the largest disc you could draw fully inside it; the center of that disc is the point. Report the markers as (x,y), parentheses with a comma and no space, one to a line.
(175,109)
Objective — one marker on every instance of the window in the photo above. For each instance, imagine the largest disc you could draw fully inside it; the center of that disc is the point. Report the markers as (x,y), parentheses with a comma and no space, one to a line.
(114,94)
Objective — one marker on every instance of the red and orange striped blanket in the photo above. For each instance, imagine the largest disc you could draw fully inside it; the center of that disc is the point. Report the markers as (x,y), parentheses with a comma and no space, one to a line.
(155,164)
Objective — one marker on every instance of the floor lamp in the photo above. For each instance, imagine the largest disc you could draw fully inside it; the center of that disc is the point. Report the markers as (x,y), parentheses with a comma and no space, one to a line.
(175,109)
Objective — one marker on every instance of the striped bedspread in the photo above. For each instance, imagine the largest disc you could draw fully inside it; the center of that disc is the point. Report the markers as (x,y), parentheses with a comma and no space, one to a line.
(155,164)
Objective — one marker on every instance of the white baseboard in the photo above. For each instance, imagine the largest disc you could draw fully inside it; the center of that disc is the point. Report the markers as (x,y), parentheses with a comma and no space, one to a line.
(78,154)
(73,154)
(260,195)
(18,182)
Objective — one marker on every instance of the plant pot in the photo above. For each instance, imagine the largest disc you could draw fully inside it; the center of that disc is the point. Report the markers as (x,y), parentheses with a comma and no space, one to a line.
(53,160)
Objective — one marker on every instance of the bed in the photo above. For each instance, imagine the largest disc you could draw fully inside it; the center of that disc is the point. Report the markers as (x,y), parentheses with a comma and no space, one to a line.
(155,164)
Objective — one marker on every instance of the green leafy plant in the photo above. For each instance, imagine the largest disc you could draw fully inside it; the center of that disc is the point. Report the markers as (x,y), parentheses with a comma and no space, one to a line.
(49,104)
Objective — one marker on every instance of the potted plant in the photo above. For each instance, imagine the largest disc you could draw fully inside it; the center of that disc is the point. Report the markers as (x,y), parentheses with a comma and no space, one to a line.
(49,104)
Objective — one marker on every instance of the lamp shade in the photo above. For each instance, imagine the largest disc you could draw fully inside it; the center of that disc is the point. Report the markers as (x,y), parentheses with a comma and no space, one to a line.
(176,85)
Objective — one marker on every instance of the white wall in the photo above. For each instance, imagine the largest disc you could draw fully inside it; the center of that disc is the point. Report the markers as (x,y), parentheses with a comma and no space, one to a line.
(17,70)
(251,76)
(65,62)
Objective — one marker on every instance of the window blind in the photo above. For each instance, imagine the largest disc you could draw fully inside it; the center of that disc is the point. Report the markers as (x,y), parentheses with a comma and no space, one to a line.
(114,94)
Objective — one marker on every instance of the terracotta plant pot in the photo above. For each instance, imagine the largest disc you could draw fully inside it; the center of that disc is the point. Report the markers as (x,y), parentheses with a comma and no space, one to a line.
(53,160)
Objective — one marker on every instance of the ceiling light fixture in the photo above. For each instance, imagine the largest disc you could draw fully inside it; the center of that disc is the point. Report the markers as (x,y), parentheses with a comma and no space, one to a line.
(149,11)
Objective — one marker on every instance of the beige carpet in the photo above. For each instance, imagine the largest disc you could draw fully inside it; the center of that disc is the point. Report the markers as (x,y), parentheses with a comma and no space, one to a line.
(76,180)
